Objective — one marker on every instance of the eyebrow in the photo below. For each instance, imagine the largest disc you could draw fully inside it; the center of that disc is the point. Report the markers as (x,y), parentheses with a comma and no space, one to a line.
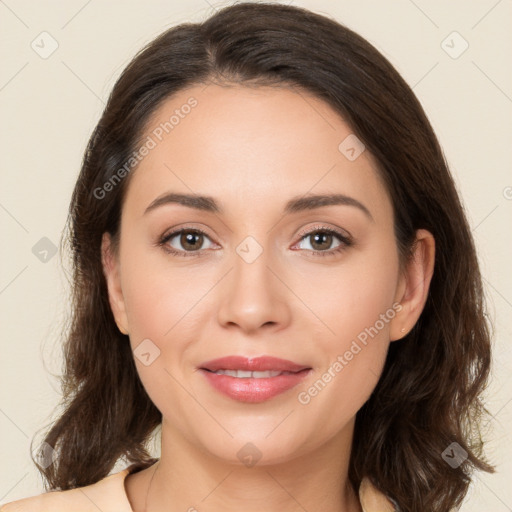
(294,205)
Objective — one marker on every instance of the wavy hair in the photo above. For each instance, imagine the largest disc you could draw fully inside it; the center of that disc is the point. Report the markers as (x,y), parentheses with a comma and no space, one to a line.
(429,394)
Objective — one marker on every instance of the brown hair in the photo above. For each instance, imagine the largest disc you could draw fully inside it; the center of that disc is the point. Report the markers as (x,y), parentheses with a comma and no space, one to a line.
(429,393)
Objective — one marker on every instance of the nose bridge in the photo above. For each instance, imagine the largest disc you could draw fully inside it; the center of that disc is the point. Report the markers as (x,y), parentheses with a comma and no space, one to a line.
(252,278)
(253,296)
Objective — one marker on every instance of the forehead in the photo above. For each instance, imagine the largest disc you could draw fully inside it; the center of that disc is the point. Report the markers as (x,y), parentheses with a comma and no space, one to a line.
(248,145)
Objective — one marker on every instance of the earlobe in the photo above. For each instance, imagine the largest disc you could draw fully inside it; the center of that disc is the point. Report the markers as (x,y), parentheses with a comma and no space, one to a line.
(112,276)
(414,285)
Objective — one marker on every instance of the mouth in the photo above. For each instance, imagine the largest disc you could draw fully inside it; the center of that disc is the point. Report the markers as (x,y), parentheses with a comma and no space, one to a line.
(252,364)
(243,374)
(253,380)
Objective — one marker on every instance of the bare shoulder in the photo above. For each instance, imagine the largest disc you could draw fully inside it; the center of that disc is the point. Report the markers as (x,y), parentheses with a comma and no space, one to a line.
(55,501)
(107,495)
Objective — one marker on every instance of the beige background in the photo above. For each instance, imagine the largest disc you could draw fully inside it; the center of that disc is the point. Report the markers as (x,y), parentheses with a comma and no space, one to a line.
(50,106)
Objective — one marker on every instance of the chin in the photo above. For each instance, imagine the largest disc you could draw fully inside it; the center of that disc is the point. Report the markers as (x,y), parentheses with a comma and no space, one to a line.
(251,449)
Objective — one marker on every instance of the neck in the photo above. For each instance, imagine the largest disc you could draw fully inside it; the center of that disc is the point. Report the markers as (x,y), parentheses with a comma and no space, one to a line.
(188,479)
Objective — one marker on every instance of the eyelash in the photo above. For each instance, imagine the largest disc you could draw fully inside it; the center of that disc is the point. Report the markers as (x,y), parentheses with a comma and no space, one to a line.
(345,240)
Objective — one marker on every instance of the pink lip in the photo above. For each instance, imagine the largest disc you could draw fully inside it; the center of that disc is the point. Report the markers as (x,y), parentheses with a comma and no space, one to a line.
(252,364)
(253,390)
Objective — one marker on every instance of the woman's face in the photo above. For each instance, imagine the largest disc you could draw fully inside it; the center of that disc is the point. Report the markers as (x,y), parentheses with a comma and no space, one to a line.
(264,280)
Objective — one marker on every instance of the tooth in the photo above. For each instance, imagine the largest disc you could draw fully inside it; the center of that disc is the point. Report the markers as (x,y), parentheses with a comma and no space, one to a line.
(262,375)
(243,374)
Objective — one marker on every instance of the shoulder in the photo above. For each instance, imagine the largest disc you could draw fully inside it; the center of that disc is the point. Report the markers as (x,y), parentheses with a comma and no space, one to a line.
(372,500)
(107,495)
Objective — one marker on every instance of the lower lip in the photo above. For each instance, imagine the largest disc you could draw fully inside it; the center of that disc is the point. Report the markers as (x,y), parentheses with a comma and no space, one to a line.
(254,390)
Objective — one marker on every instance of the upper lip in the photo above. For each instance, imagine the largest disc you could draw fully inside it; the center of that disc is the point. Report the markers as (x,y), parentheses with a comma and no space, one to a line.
(253,364)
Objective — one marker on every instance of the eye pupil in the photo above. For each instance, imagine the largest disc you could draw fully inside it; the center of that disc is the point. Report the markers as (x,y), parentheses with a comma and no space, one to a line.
(321,236)
(187,239)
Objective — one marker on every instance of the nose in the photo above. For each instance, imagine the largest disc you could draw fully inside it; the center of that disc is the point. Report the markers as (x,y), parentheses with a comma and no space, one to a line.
(253,294)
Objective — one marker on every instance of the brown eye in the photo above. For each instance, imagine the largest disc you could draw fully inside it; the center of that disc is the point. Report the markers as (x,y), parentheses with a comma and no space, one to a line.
(184,241)
(321,240)
(191,240)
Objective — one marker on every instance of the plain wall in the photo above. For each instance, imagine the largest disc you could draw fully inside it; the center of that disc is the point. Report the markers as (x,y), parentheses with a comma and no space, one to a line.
(49,107)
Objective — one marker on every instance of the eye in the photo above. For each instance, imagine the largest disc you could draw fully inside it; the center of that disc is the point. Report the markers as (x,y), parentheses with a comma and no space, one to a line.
(191,241)
(322,238)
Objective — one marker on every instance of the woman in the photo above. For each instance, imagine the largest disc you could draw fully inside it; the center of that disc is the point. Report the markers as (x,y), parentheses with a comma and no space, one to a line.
(326,347)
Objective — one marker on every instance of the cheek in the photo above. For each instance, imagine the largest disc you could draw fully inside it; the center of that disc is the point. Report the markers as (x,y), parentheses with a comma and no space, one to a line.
(160,296)
(356,307)
(354,351)
(352,297)
(163,306)
(158,306)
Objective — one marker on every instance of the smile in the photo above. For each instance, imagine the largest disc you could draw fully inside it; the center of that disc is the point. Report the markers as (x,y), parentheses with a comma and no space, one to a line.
(243,374)
(253,380)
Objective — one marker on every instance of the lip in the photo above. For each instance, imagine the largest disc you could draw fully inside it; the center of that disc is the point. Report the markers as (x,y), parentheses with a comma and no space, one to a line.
(253,390)
(252,364)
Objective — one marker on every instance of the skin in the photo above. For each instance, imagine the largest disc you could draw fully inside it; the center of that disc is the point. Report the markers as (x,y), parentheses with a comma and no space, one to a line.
(252,149)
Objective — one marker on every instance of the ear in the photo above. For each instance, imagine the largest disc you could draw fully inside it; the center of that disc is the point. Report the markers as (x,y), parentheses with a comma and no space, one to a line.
(111,270)
(412,290)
